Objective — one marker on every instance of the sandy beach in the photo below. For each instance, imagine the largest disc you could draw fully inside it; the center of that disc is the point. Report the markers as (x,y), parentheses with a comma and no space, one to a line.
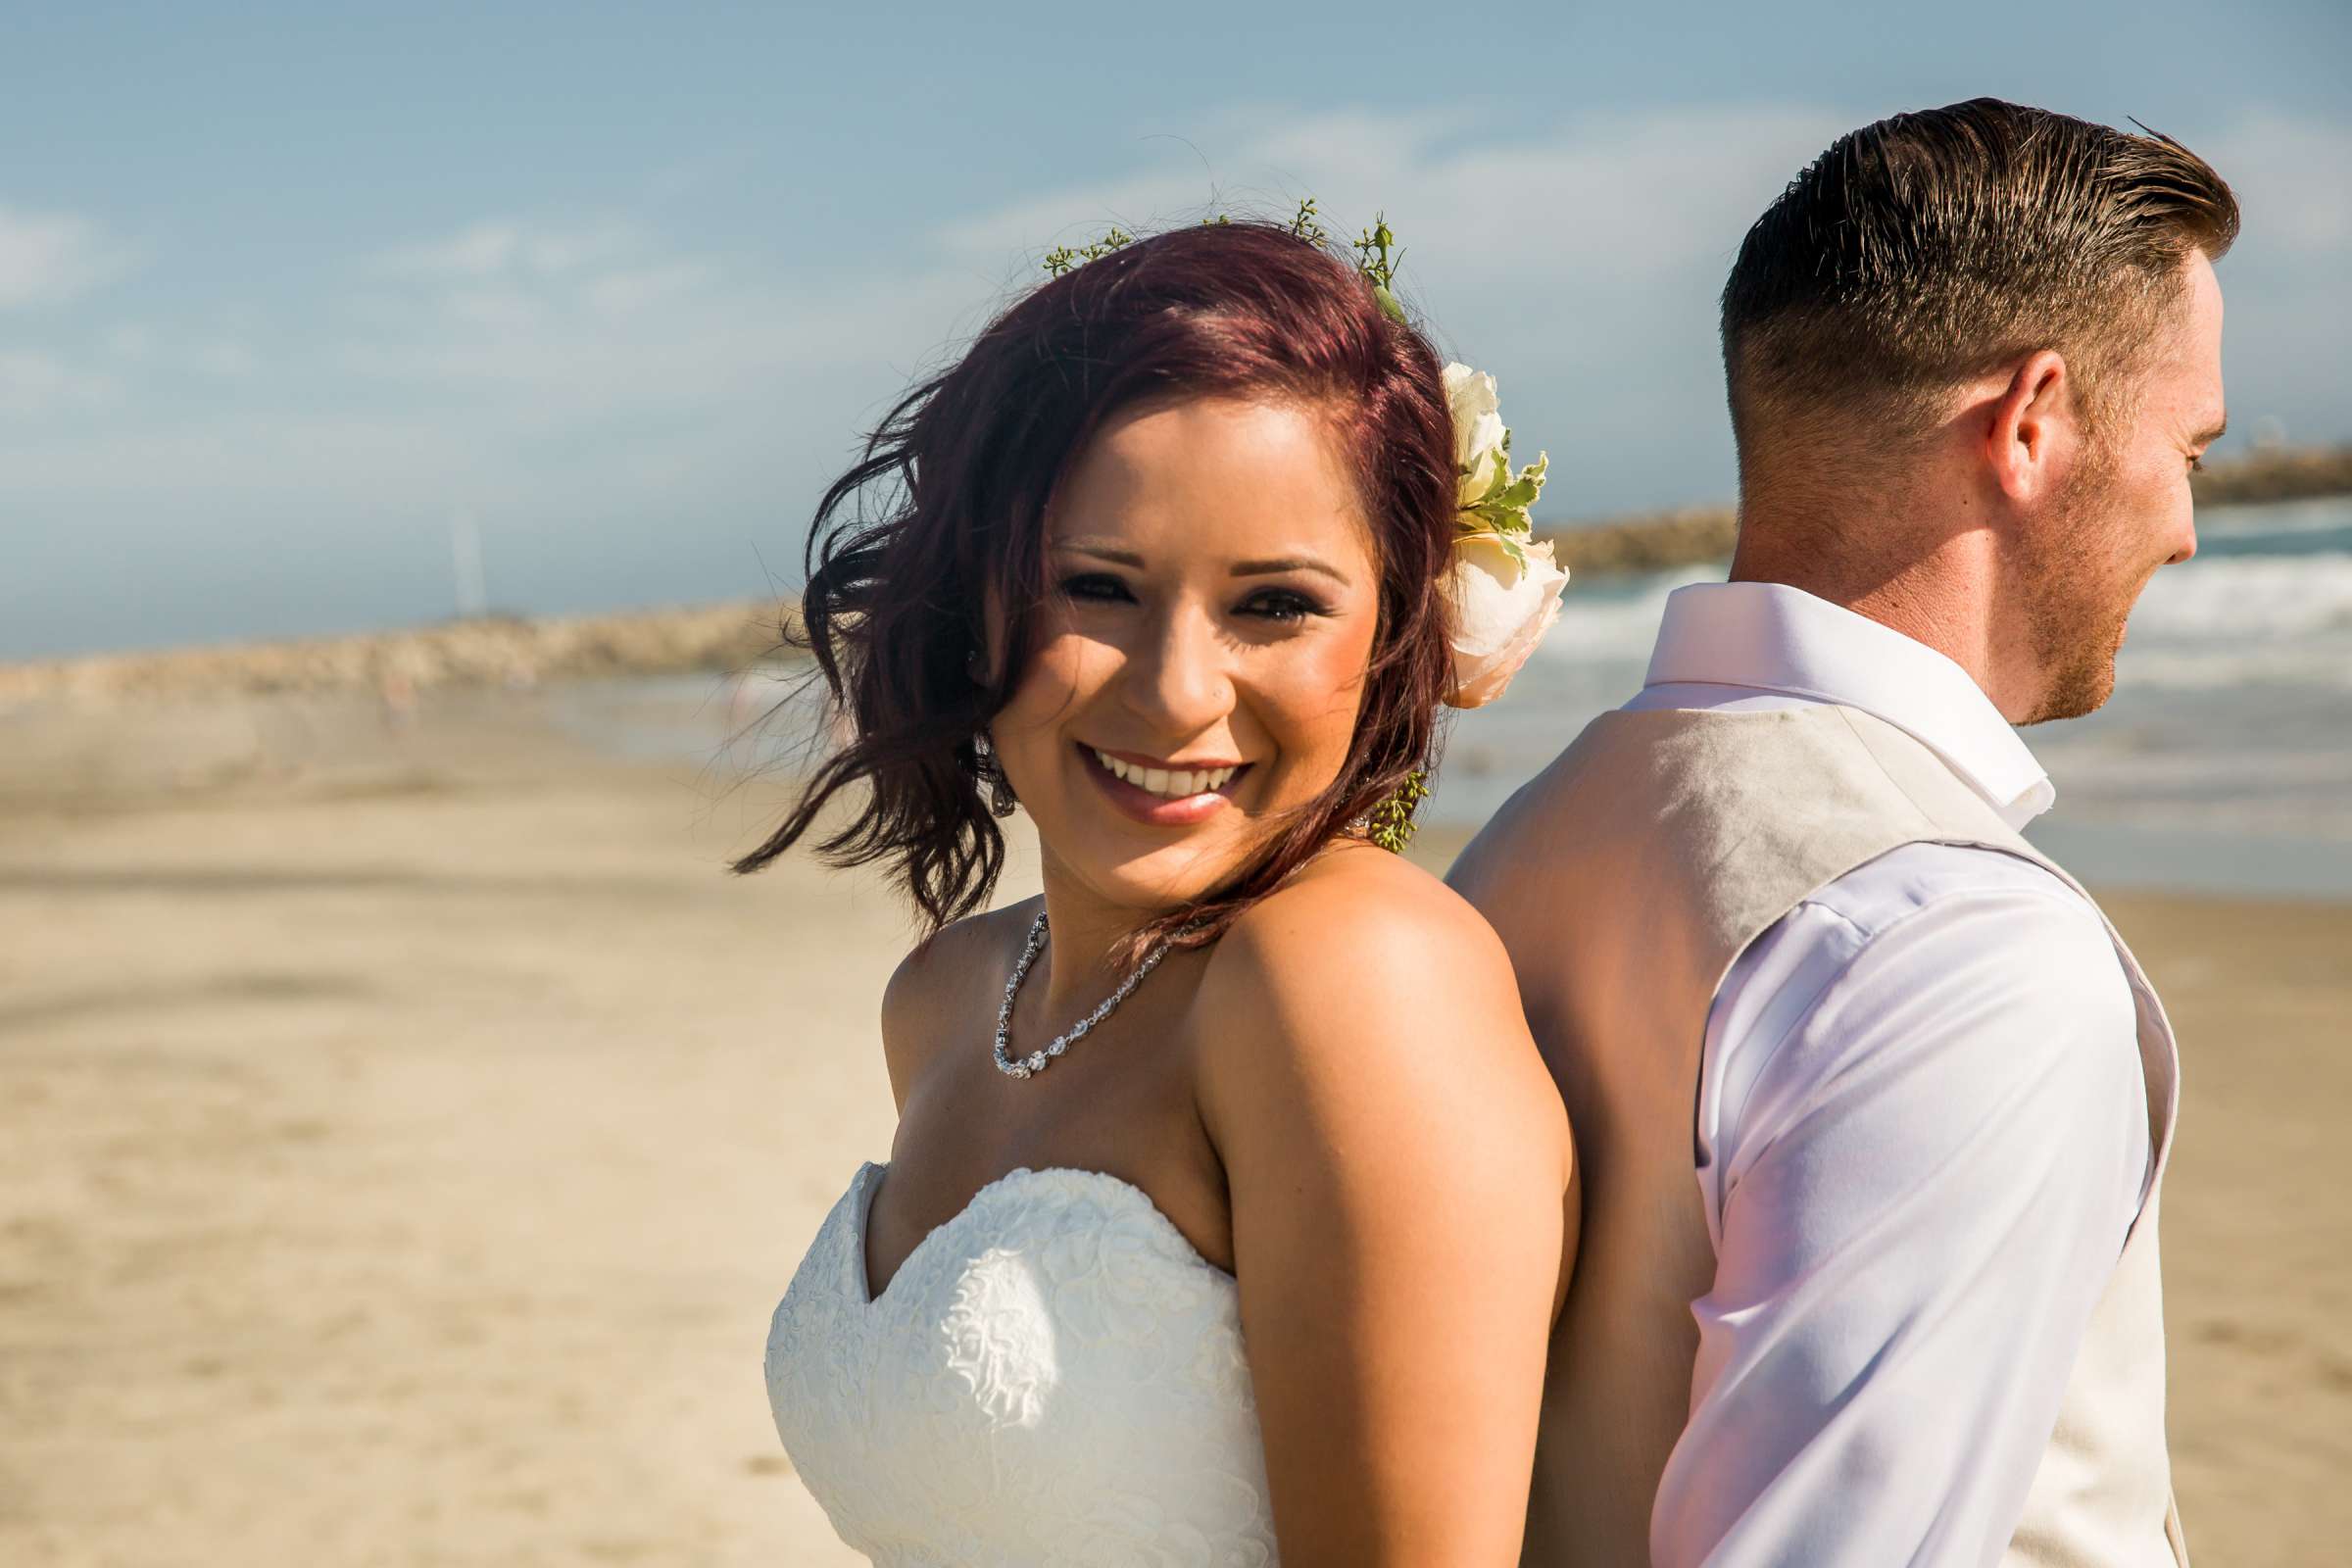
(410,1128)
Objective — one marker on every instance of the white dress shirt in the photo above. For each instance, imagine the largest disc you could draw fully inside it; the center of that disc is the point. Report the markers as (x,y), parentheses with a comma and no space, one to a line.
(1922,1138)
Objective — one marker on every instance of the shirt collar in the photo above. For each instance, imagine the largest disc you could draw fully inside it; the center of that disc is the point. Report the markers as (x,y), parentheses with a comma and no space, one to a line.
(1774,638)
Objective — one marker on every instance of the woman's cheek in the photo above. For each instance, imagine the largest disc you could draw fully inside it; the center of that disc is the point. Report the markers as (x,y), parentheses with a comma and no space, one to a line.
(1317,702)
(1025,728)
(1060,671)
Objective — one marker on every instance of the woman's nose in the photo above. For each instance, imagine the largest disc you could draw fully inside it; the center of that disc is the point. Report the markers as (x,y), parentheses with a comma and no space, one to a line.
(1176,680)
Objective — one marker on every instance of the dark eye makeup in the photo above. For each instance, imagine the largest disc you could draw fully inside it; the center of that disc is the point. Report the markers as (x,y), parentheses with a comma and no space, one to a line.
(1282,605)
(1095,587)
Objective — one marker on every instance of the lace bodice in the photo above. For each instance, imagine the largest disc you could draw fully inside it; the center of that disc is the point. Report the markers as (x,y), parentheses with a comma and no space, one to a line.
(1054,1377)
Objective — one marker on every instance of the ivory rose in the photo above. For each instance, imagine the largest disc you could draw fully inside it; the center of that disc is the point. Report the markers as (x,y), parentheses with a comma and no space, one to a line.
(1502,606)
(1478,432)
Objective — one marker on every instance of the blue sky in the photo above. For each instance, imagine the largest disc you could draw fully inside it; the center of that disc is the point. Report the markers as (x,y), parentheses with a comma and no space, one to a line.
(282,288)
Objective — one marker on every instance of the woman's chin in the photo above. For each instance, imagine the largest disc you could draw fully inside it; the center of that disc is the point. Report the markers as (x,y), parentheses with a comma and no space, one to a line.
(1148,879)
(1144,851)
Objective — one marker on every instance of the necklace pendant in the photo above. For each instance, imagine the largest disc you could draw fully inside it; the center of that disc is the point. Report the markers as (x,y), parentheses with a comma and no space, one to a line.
(1037,1060)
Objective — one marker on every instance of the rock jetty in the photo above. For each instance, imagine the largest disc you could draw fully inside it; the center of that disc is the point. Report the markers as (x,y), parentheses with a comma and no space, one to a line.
(1657,541)
(480,651)
(2277,473)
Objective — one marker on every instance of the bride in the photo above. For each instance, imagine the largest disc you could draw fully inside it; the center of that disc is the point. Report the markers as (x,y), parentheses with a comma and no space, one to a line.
(1230,1206)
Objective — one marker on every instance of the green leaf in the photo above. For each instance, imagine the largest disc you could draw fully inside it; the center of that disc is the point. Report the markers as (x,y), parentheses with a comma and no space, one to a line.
(1519,493)
(1502,519)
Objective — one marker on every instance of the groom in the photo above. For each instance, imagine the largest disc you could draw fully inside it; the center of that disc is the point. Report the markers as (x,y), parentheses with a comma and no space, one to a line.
(1872,1104)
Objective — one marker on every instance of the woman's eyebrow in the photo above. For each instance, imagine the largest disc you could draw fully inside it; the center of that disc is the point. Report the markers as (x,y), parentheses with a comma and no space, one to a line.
(1117,558)
(1272,565)
(1282,563)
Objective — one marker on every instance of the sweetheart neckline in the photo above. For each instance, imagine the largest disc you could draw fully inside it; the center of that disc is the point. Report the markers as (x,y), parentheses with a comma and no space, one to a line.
(870,1176)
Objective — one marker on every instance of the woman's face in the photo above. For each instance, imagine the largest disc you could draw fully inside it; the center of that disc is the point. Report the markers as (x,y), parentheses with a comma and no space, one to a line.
(1197,666)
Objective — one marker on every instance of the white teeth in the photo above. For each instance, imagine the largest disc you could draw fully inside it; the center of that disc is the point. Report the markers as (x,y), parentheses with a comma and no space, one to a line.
(1173,784)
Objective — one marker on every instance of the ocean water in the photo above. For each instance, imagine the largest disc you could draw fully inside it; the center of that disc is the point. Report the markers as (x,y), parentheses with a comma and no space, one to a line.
(2222,763)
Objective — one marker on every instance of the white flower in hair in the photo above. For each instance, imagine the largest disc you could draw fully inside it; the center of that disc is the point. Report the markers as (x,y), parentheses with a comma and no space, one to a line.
(1478,436)
(1503,602)
(1504,585)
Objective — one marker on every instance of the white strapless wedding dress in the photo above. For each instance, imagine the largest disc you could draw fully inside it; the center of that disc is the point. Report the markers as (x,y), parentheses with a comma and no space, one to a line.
(1054,1377)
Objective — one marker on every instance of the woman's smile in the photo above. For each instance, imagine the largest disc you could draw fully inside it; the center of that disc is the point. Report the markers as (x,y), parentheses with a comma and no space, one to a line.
(1158,793)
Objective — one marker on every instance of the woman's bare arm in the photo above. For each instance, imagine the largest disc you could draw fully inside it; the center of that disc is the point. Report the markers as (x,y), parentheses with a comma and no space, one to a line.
(1401,1193)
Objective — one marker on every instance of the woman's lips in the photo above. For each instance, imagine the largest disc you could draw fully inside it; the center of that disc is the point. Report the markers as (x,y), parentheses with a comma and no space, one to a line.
(1159,810)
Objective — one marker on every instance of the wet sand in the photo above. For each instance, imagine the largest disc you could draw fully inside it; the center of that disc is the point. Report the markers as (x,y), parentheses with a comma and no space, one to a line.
(411,1127)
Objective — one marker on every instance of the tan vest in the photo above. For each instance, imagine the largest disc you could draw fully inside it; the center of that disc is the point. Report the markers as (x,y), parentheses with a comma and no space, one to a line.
(1625,879)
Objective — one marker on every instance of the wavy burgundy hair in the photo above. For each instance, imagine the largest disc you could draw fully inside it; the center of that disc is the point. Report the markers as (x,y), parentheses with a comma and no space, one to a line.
(966,466)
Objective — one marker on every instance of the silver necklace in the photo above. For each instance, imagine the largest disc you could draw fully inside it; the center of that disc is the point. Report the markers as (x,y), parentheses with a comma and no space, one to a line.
(1035,1062)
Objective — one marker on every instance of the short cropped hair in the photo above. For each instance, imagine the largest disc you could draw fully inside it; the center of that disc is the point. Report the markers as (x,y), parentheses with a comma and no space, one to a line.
(1930,248)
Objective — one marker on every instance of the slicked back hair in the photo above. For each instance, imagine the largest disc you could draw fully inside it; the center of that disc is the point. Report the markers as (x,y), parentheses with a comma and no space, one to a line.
(1931,248)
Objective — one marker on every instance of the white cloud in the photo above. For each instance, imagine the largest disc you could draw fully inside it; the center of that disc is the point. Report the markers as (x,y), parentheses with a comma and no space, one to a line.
(51,258)
(223,356)
(1267,159)
(1613,193)
(615,320)
(2293,181)
(1581,266)
(480,251)
(2287,333)
(524,302)
(128,340)
(227,358)
(496,247)
(41,383)
(630,291)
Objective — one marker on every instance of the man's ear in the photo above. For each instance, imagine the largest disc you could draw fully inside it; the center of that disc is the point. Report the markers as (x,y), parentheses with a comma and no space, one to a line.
(2033,429)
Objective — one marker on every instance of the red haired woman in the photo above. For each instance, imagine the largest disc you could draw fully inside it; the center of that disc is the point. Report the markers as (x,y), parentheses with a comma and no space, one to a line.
(1230,1205)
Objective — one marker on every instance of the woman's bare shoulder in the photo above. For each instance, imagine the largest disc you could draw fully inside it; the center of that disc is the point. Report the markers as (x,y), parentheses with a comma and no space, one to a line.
(1365,963)
(936,986)
(1363,916)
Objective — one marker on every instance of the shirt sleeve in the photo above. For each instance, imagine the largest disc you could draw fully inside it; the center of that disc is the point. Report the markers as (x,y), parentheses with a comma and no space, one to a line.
(1923,1139)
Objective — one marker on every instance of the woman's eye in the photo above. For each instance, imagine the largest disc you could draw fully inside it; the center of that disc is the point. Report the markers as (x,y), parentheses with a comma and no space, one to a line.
(1280,604)
(1095,587)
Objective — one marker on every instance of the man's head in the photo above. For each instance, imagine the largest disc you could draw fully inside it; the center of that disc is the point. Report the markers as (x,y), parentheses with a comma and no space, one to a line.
(1973,355)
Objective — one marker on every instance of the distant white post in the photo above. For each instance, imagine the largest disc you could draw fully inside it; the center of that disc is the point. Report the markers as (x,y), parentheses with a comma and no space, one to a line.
(466,554)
